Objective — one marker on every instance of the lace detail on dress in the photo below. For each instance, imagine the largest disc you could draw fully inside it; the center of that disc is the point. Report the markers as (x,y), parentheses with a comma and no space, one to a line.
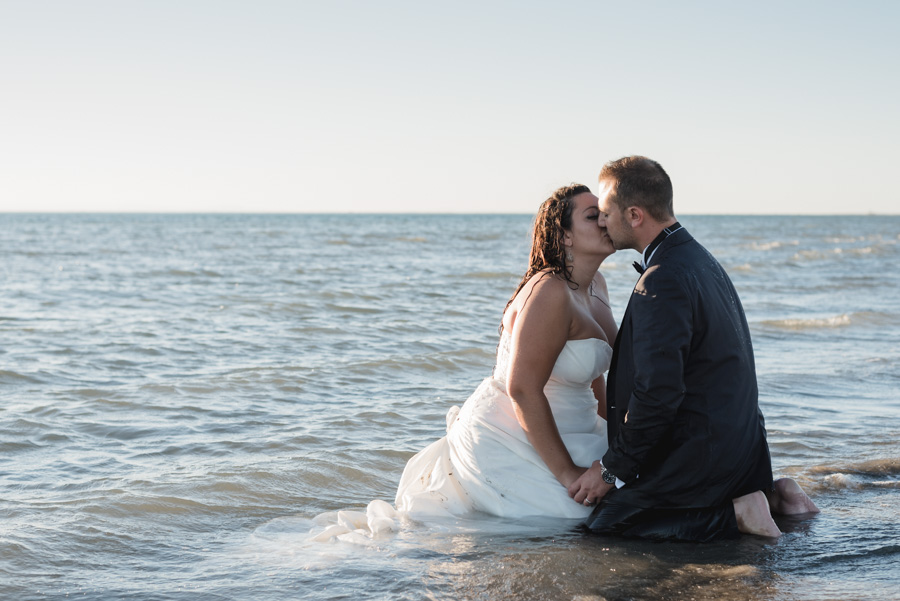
(501,367)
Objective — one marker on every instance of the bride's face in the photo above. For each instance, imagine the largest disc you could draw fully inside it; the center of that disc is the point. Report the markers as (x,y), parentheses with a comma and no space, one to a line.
(586,235)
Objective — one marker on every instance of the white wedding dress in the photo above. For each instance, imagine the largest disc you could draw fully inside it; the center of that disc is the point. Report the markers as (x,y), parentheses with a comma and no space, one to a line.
(485,462)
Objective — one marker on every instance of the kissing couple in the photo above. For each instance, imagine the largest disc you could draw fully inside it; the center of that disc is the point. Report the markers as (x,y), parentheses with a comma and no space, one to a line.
(673,445)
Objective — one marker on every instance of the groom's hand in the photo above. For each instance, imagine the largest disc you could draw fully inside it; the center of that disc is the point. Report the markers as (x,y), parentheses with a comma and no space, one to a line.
(590,487)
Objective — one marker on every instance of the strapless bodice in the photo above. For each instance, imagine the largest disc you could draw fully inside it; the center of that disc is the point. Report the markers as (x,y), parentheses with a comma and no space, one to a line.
(487,463)
(580,362)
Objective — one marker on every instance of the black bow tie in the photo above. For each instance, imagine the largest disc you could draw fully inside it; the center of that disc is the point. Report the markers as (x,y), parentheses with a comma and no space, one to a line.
(638,267)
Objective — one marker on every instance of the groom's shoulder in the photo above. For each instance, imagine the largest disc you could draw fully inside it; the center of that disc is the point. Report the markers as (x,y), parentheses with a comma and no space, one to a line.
(681,239)
(683,247)
(693,262)
(682,259)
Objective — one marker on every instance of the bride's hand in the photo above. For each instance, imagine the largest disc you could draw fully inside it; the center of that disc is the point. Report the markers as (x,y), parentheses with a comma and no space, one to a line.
(572,475)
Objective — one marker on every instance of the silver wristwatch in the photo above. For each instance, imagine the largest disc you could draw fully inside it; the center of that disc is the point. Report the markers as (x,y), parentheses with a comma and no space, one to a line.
(607,475)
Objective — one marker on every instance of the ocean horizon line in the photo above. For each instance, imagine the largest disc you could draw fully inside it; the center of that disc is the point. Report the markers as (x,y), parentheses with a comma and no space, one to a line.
(408,213)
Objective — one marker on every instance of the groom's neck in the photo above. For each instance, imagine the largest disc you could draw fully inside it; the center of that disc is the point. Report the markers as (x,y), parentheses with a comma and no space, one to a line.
(648,232)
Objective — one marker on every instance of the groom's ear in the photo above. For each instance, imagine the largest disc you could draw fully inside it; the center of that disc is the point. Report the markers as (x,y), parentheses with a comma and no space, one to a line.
(635,216)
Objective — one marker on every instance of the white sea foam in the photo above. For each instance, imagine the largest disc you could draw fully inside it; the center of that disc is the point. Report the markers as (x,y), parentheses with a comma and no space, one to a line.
(774,244)
(836,321)
(841,481)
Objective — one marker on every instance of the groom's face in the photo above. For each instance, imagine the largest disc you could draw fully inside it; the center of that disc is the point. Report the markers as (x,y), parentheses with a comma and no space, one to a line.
(612,219)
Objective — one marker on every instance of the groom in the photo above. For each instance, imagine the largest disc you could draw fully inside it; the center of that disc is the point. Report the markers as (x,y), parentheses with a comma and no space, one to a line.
(688,457)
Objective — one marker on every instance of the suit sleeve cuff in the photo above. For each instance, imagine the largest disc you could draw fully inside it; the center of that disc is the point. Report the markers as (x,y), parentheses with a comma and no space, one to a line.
(625,472)
(619,482)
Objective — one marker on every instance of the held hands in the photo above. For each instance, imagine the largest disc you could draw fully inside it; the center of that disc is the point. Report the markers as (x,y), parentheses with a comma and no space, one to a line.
(590,487)
(572,474)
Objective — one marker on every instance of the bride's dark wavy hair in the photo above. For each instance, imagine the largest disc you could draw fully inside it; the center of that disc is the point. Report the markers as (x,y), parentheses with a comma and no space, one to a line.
(548,250)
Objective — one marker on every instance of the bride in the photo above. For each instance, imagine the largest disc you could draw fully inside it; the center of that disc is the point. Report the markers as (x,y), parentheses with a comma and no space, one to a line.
(534,426)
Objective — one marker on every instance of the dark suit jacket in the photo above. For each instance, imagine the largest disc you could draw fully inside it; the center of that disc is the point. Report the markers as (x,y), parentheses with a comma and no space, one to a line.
(684,424)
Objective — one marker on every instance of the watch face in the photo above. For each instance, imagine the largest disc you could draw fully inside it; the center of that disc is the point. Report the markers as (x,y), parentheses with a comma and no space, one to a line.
(607,476)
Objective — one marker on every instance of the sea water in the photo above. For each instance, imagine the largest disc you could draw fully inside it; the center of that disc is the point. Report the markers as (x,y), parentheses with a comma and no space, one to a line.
(180,395)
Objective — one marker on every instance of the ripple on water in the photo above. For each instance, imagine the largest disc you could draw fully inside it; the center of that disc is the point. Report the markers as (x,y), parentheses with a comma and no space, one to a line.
(8,377)
(432,362)
(13,447)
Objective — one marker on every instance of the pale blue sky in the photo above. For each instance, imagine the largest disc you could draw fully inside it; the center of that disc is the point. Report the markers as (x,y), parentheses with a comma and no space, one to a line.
(334,106)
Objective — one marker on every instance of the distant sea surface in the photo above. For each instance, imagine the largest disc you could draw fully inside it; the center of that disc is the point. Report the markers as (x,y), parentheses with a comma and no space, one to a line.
(181,394)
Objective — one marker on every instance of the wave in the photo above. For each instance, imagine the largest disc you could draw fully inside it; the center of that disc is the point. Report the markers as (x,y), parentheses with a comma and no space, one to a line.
(182,273)
(352,308)
(872,474)
(836,321)
(860,318)
(342,295)
(484,237)
(773,245)
(887,466)
(434,362)
(838,252)
(12,377)
(488,275)
(9,448)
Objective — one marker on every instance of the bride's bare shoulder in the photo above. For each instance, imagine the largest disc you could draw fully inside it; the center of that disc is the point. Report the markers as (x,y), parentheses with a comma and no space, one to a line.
(543,283)
(544,291)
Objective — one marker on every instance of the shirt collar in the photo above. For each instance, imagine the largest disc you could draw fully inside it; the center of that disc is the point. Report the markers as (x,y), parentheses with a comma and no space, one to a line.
(648,253)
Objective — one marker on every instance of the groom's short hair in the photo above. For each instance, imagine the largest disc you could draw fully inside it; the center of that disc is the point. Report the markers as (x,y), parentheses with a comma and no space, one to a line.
(639,181)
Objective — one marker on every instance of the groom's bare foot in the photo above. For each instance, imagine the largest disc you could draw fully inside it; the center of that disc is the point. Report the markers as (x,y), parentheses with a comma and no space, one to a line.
(753,515)
(789,499)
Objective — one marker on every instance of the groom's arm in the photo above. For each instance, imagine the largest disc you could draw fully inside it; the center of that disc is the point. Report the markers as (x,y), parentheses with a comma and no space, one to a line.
(662,327)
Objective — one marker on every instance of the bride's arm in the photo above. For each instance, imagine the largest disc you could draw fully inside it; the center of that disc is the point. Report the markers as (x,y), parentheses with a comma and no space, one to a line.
(602,312)
(539,335)
(599,388)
